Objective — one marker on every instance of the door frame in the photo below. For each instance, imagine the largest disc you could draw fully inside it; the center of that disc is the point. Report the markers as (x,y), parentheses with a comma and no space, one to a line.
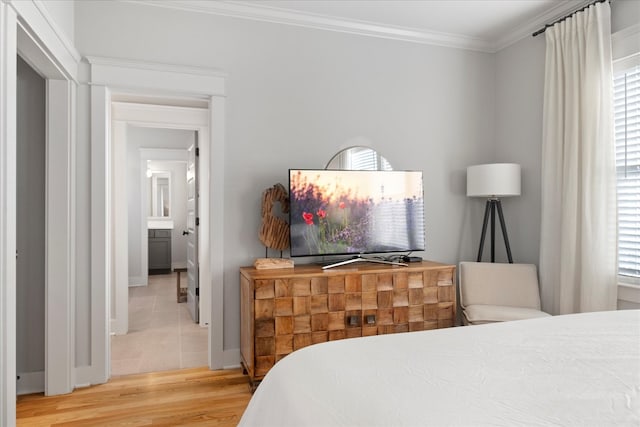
(124,115)
(107,75)
(8,58)
(27,30)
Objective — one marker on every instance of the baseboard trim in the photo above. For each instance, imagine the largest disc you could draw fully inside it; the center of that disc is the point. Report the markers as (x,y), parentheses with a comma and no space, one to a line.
(30,382)
(629,293)
(83,376)
(231,359)
(116,327)
(137,281)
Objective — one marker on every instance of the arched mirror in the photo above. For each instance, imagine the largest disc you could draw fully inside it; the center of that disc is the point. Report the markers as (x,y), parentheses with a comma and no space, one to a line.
(359,158)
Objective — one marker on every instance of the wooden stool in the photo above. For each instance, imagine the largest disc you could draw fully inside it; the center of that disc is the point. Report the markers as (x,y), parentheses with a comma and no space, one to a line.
(182,297)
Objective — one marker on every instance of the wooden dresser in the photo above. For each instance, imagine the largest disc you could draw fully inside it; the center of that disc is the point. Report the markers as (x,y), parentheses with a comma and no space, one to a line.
(286,309)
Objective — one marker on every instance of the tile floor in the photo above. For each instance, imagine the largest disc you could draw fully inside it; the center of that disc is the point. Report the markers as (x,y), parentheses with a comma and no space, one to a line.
(161,335)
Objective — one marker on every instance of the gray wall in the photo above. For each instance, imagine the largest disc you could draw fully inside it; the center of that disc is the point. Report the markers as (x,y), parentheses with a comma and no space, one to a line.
(518,131)
(30,218)
(137,138)
(295,97)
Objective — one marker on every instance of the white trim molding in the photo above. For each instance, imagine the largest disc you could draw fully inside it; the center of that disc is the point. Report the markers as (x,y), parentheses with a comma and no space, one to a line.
(260,12)
(160,78)
(630,293)
(100,233)
(166,116)
(257,11)
(53,42)
(125,114)
(217,120)
(8,66)
(83,376)
(60,237)
(625,46)
(137,281)
(119,304)
(26,30)
(166,154)
(109,75)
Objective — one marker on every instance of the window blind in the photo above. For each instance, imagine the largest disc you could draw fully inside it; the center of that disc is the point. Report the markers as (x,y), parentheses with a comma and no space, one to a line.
(627,140)
(366,159)
(363,159)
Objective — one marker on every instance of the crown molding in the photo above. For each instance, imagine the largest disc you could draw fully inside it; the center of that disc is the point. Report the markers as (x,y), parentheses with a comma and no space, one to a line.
(257,12)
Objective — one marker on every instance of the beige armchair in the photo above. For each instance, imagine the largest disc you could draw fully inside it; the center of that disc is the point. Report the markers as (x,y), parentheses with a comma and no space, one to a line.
(493,292)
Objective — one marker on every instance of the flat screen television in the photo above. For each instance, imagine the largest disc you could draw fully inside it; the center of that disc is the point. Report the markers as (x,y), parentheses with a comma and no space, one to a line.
(339,212)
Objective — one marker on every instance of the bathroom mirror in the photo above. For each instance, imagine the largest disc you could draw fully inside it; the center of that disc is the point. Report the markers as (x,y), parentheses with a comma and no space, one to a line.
(359,158)
(159,183)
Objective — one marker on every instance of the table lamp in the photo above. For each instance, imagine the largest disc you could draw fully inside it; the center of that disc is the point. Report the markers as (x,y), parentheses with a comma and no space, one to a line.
(493,181)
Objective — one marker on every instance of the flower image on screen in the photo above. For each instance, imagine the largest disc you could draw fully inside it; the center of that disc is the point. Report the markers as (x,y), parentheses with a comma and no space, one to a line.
(337,212)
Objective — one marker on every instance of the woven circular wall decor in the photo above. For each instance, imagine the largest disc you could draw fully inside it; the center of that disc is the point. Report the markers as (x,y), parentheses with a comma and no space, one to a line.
(274,231)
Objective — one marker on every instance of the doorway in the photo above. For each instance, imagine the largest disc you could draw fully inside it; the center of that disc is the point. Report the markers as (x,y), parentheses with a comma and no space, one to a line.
(31,39)
(160,334)
(49,344)
(149,140)
(194,84)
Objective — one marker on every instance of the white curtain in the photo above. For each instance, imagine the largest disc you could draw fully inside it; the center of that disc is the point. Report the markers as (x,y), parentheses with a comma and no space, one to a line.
(578,255)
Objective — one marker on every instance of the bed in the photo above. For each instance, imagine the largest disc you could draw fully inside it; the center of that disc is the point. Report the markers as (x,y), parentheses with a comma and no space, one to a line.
(571,370)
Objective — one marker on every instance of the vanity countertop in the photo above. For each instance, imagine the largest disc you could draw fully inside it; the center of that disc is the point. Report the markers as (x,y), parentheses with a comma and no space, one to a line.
(160,224)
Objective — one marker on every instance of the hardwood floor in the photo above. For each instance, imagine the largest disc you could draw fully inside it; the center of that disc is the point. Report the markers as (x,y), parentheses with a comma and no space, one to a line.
(187,397)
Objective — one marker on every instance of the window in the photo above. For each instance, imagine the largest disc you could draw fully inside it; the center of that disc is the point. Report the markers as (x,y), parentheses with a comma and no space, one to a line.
(627,139)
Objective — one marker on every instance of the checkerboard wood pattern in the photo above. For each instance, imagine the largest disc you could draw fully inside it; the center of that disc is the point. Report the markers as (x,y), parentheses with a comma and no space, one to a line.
(283,311)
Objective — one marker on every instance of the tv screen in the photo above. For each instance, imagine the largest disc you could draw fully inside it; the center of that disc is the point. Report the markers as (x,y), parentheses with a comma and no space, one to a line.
(338,212)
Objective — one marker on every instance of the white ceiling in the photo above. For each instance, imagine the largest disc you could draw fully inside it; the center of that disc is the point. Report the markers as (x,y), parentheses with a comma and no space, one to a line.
(484,25)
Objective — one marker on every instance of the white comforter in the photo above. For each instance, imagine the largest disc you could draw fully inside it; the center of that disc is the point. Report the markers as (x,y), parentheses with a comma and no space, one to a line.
(573,370)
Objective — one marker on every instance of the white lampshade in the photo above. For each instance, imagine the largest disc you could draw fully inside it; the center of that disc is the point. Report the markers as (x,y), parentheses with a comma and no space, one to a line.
(493,180)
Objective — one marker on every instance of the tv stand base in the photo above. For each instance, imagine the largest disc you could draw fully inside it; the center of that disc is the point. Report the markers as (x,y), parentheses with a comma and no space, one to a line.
(363,259)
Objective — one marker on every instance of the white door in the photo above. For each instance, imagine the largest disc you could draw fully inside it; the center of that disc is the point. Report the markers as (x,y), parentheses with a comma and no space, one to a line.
(192,228)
